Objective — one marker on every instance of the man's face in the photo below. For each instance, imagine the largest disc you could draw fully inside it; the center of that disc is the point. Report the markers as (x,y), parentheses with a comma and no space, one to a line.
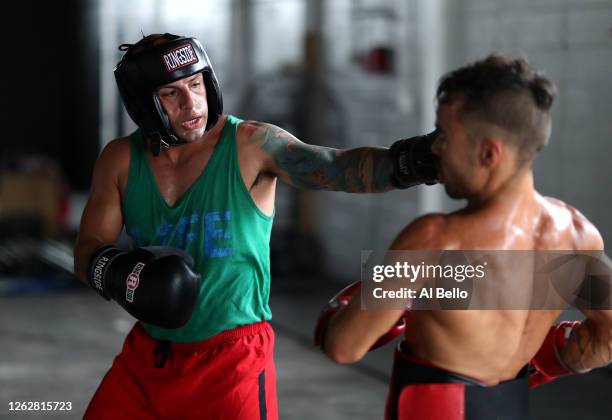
(459,169)
(185,104)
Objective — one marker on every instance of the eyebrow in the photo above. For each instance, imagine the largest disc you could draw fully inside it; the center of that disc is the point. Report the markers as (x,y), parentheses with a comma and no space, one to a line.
(171,85)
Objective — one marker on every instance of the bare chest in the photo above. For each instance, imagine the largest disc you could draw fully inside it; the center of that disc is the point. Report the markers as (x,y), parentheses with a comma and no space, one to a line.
(174,179)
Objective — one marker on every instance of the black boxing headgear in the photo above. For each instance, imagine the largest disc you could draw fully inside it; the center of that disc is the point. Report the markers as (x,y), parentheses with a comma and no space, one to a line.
(145,67)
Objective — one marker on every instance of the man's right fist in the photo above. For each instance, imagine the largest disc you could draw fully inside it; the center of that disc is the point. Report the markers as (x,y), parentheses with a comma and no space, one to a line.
(156,285)
(413,161)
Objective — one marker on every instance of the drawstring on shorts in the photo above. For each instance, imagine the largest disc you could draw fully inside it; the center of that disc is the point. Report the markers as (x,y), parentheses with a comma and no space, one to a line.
(161,352)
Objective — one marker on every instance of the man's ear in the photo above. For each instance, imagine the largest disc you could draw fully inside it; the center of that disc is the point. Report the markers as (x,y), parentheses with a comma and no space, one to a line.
(492,150)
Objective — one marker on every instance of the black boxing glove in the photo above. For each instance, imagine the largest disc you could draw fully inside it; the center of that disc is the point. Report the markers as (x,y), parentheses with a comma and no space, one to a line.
(413,161)
(156,285)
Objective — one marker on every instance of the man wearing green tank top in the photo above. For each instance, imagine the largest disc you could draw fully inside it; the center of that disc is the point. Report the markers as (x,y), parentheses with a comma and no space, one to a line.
(194,189)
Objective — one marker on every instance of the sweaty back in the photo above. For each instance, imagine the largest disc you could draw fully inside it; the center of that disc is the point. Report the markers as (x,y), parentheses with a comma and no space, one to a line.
(493,345)
(218,223)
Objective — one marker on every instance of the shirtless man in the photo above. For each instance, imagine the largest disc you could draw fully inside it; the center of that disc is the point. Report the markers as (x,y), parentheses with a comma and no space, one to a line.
(493,117)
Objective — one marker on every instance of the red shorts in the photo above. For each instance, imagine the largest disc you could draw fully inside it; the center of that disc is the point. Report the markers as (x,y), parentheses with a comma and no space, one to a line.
(229,376)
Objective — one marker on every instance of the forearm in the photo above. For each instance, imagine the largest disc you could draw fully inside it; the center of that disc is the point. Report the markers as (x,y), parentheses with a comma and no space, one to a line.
(343,340)
(360,170)
(353,332)
(101,224)
(365,169)
(83,252)
(589,347)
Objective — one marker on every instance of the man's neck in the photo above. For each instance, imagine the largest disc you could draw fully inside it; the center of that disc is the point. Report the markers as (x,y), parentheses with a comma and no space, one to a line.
(516,190)
(179,153)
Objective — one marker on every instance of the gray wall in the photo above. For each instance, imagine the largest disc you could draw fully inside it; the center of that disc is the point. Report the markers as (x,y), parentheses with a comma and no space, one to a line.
(570,40)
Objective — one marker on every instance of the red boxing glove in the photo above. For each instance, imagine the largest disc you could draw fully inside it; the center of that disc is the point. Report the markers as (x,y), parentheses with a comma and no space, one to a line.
(547,361)
(396,330)
(340,301)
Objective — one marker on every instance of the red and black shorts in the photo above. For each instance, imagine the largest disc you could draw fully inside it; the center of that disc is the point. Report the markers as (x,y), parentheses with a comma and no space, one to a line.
(421,391)
(228,376)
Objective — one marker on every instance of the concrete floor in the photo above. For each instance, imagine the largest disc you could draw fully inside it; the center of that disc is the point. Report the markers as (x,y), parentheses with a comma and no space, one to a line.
(57,346)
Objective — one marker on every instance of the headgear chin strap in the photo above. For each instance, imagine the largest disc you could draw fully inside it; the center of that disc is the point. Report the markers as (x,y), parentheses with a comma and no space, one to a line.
(140,73)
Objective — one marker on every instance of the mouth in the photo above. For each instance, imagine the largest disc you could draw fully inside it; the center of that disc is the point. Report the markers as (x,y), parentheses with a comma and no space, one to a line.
(193,123)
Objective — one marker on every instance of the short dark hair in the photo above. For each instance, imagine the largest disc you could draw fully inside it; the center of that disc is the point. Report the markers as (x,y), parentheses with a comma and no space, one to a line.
(508,93)
(145,43)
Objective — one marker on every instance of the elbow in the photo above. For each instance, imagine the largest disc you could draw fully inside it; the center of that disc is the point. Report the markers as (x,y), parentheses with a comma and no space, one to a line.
(341,353)
(603,331)
(602,337)
(609,352)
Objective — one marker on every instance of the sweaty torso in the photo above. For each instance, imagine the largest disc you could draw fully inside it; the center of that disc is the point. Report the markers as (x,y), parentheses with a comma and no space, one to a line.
(174,177)
(493,345)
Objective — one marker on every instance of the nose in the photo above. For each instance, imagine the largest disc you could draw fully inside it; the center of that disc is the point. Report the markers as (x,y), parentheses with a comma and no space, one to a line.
(188,100)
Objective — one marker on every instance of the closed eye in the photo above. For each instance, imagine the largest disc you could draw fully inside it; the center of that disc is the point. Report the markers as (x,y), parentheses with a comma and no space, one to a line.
(168,93)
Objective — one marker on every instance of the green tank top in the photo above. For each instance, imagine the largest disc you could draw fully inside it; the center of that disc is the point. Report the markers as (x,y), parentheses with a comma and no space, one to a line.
(218,223)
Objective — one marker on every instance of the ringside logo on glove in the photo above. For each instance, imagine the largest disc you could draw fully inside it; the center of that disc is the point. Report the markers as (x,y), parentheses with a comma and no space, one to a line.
(98,272)
(132,281)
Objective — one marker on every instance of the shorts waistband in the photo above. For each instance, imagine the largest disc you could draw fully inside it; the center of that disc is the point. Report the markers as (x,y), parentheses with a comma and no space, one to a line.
(409,369)
(433,373)
(508,399)
(222,337)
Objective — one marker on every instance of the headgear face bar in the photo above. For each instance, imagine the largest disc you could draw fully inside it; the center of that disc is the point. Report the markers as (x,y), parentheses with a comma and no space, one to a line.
(139,74)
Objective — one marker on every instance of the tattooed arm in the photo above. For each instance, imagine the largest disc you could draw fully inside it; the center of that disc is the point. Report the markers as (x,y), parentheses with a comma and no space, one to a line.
(590,345)
(365,169)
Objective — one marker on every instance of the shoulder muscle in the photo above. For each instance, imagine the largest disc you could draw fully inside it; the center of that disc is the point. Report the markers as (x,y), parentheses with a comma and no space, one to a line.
(425,232)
